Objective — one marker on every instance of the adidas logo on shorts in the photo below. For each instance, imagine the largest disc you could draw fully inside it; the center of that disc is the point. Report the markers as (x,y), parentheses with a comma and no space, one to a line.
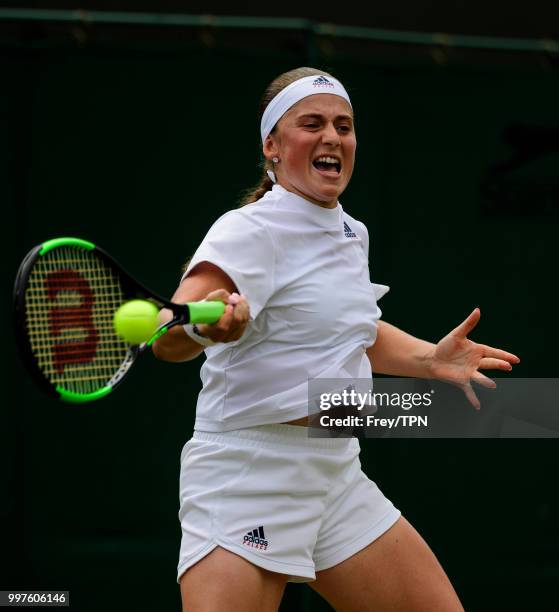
(256,539)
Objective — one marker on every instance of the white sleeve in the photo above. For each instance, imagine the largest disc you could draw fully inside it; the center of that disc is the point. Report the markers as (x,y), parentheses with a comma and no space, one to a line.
(380,290)
(364,235)
(243,249)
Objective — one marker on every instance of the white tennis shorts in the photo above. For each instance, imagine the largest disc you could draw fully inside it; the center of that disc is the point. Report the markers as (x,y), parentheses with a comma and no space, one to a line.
(283,501)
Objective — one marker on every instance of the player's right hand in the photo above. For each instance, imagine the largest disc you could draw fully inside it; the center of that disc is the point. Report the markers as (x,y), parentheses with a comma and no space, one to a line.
(233,321)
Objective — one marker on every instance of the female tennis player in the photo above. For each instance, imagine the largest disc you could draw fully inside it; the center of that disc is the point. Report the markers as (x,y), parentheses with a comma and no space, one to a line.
(261,502)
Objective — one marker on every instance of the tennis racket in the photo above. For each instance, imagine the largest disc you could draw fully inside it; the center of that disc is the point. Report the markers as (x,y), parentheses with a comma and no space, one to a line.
(65,296)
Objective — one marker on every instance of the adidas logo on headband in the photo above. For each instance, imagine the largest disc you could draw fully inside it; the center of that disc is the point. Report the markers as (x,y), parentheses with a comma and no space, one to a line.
(323,82)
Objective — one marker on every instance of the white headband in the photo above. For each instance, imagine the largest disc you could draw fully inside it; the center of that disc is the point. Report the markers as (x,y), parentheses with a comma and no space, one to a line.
(288,97)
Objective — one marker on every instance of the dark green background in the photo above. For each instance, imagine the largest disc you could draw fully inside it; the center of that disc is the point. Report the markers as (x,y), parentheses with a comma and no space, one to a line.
(139,151)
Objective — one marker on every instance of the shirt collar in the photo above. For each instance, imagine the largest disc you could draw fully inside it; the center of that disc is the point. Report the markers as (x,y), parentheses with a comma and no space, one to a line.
(326,217)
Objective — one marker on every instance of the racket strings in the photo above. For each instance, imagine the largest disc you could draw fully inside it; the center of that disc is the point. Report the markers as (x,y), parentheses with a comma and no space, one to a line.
(71,297)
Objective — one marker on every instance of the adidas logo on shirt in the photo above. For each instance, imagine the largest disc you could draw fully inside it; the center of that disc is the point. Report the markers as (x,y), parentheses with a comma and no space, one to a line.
(349,233)
(256,539)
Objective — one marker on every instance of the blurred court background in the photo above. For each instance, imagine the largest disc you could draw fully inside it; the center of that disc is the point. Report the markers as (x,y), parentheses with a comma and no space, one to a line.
(135,130)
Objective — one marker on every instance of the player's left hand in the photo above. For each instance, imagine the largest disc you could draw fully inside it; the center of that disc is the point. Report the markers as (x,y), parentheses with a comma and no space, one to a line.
(457,360)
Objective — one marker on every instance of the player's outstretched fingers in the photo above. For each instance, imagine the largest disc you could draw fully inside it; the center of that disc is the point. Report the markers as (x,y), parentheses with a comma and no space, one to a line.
(483,380)
(470,394)
(489,351)
(468,324)
(490,363)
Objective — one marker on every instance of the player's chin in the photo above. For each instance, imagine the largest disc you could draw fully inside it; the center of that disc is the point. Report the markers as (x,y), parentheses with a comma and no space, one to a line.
(331,189)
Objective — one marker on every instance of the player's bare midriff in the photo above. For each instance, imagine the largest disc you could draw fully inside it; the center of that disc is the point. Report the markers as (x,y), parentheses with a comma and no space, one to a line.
(303,421)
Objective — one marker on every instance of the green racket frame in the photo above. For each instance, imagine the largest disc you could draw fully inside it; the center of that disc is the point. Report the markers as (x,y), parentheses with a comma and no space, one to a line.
(35,326)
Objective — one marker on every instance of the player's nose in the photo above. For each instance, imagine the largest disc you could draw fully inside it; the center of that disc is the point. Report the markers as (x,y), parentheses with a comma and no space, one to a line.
(330,135)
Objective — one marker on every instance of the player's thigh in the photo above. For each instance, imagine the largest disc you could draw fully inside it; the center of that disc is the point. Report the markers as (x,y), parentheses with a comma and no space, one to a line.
(398,572)
(226,582)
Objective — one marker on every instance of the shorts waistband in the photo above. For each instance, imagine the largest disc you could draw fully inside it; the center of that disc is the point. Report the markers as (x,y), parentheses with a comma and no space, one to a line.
(285,435)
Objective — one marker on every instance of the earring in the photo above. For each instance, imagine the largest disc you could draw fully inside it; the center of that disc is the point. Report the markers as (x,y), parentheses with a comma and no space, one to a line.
(275,160)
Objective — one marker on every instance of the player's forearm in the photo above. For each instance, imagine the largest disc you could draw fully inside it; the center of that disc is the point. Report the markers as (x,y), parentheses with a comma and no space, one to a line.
(175,345)
(397,353)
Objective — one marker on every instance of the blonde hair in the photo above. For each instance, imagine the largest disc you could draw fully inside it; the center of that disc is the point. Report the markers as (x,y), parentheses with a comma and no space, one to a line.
(265,184)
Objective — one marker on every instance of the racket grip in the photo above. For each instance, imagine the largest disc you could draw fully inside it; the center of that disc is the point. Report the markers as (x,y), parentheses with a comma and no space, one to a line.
(205,312)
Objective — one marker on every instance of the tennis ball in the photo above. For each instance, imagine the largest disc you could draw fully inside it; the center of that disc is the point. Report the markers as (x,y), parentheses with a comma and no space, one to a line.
(136,321)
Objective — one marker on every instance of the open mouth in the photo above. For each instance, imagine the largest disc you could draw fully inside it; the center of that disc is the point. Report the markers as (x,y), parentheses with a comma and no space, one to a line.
(328,164)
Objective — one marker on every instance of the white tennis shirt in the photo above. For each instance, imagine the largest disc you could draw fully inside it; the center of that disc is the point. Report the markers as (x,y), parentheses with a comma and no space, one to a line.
(305,273)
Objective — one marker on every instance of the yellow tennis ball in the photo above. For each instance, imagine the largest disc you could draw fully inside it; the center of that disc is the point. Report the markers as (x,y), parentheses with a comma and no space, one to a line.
(136,321)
